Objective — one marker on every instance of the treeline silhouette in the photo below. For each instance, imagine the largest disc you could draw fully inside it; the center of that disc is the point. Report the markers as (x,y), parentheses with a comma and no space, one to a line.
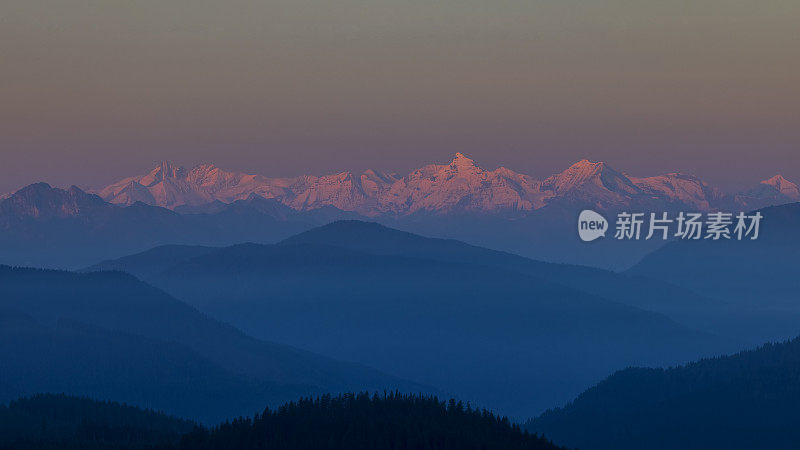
(362,421)
(49,421)
(391,421)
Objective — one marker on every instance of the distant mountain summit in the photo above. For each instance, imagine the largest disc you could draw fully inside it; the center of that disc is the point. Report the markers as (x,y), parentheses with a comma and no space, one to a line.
(771,192)
(682,188)
(41,201)
(783,186)
(166,186)
(592,183)
(461,186)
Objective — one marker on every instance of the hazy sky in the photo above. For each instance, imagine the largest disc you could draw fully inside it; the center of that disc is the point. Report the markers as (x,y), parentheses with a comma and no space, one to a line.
(91,91)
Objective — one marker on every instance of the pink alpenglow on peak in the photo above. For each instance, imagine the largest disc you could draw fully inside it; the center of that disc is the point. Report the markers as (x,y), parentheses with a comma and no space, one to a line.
(784,186)
(770,192)
(166,184)
(687,189)
(460,186)
(592,183)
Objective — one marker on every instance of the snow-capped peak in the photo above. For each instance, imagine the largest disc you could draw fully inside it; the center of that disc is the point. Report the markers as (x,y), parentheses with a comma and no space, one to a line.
(165,170)
(460,159)
(582,170)
(784,186)
(585,166)
(461,163)
(680,187)
(457,185)
(585,171)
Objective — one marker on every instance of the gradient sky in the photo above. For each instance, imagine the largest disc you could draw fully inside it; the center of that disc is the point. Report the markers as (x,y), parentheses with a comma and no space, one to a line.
(91,91)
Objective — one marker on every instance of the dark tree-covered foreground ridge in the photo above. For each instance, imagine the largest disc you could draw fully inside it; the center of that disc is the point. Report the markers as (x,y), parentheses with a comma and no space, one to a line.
(387,422)
(748,400)
(350,421)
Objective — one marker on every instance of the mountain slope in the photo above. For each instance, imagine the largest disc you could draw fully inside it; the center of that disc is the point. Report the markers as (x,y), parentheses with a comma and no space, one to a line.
(481,332)
(111,320)
(747,400)
(757,279)
(152,262)
(79,359)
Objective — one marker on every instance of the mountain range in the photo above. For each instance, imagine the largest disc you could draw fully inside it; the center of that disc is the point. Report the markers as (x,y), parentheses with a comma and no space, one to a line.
(69,228)
(441,312)
(43,226)
(459,186)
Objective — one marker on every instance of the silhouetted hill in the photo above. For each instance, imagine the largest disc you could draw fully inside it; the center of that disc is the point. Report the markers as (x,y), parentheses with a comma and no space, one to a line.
(61,422)
(374,238)
(350,421)
(111,336)
(713,315)
(714,312)
(362,422)
(747,400)
(153,261)
(483,332)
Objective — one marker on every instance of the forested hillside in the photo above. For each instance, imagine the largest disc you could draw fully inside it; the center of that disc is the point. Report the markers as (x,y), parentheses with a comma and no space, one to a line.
(746,400)
(350,421)
(388,422)
(62,422)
